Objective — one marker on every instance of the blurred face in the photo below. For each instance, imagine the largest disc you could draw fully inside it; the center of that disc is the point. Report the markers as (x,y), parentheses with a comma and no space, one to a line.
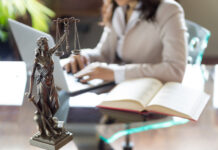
(45,45)
(123,2)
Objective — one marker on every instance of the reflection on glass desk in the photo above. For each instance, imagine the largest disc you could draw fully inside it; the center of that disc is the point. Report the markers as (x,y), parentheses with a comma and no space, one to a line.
(87,123)
(110,125)
(140,127)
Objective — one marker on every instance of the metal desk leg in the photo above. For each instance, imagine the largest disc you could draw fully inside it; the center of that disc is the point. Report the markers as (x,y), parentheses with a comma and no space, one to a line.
(127,145)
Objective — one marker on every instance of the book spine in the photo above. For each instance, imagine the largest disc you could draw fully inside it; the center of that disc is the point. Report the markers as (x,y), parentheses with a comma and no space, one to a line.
(142,112)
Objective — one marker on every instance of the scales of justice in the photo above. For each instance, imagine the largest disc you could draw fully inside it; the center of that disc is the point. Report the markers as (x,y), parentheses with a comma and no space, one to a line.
(51,132)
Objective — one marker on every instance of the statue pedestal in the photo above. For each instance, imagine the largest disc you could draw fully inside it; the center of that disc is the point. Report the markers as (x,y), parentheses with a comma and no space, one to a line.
(51,143)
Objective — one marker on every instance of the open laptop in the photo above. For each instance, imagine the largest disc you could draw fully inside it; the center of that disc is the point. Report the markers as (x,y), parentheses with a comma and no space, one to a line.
(26,38)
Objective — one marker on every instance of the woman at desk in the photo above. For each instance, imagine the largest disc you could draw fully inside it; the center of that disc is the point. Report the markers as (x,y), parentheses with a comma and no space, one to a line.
(141,38)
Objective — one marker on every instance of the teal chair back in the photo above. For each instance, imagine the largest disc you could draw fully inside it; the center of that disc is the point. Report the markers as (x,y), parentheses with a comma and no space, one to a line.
(197,42)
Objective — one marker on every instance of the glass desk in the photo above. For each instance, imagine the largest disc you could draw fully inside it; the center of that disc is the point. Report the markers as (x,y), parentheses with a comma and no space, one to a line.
(111,125)
(87,123)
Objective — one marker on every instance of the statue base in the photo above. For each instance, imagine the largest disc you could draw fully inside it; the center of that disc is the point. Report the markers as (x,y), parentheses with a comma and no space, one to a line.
(51,143)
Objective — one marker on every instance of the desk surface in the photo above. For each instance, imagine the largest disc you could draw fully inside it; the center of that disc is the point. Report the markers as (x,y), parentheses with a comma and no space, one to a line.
(17,126)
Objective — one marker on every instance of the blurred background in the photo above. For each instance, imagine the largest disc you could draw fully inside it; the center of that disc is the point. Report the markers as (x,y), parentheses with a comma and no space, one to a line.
(39,14)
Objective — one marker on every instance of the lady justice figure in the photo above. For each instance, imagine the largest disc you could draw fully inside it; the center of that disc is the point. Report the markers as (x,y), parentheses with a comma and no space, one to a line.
(47,104)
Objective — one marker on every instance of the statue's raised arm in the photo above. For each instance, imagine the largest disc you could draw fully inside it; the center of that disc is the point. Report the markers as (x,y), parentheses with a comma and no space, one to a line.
(58,44)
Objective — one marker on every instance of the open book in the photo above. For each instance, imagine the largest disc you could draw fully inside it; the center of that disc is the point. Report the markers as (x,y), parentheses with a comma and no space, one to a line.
(148,94)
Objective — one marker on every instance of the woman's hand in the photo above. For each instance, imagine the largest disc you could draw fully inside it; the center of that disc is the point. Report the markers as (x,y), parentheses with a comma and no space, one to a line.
(95,71)
(76,63)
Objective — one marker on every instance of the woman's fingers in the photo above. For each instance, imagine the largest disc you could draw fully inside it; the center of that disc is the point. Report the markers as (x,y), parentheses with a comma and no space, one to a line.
(84,72)
(85,60)
(87,79)
(73,66)
(94,71)
(67,67)
(86,75)
(80,62)
(76,63)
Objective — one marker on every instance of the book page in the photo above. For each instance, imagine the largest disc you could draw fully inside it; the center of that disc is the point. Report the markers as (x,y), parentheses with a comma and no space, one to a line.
(140,90)
(200,106)
(179,98)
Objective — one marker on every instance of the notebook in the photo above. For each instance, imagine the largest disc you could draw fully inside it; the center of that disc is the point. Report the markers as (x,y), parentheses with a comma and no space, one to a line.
(13,83)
